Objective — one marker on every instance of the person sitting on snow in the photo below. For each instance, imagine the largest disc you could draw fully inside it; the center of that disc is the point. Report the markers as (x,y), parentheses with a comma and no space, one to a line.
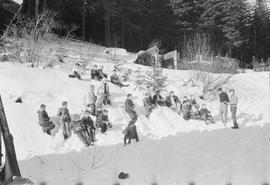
(194,105)
(158,99)
(64,119)
(186,108)
(130,133)
(104,92)
(173,102)
(101,74)
(116,80)
(94,73)
(103,121)
(44,120)
(130,108)
(76,72)
(205,115)
(148,104)
(89,125)
(79,128)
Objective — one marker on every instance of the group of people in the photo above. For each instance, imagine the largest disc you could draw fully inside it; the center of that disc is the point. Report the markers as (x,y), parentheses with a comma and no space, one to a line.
(85,127)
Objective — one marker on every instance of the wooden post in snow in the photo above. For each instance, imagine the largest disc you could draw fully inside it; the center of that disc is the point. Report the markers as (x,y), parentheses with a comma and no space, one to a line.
(11,159)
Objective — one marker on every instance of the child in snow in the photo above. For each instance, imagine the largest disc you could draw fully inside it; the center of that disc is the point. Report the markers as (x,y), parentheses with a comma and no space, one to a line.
(116,80)
(148,104)
(104,92)
(91,99)
(205,115)
(194,105)
(158,99)
(80,130)
(103,121)
(101,74)
(64,119)
(186,108)
(44,120)
(94,73)
(130,133)
(129,107)
(173,102)
(75,73)
(89,125)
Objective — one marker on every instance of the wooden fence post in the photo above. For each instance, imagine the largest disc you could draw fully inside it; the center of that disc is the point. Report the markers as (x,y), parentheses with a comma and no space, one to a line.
(11,159)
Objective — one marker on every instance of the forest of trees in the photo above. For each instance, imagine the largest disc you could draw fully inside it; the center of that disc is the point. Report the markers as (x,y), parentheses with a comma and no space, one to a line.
(235,28)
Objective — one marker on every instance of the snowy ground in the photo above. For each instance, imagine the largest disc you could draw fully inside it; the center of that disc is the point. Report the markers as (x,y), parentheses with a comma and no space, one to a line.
(172,151)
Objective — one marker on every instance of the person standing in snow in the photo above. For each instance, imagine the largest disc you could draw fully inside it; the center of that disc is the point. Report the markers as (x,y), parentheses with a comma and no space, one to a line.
(130,108)
(173,102)
(104,92)
(148,104)
(76,72)
(64,119)
(223,106)
(44,120)
(130,133)
(91,99)
(116,80)
(233,105)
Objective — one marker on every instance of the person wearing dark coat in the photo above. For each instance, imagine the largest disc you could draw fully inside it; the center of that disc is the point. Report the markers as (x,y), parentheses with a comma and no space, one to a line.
(130,133)
(186,110)
(158,99)
(64,119)
(129,107)
(194,105)
(116,80)
(89,125)
(205,115)
(75,73)
(79,128)
(103,121)
(94,73)
(223,106)
(44,120)
(173,102)
(148,104)
(101,74)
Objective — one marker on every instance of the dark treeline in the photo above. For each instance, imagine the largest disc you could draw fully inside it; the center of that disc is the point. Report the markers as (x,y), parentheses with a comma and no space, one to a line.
(236,28)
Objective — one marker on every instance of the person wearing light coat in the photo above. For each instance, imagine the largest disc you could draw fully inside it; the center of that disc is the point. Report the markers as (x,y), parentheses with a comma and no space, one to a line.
(91,99)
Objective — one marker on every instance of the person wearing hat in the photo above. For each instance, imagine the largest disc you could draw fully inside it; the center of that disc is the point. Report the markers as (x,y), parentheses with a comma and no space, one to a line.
(64,119)
(158,99)
(103,121)
(116,80)
(223,106)
(148,104)
(75,72)
(173,102)
(130,108)
(94,73)
(233,106)
(44,120)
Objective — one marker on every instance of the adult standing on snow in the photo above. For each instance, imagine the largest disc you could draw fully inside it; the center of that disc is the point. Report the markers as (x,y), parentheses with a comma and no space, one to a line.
(129,107)
(233,105)
(223,106)
(91,99)
(104,92)
(64,119)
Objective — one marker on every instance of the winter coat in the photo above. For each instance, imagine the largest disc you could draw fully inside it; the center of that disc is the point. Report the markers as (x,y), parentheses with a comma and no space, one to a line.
(88,122)
(223,96)
(233,100)
(94,73)
(157,99)
(169,100)
(204,112)
(115,79)
(43,118)
(101,74)
(91,98)
(129,105)
(63,113)
(148,101)
(186,108)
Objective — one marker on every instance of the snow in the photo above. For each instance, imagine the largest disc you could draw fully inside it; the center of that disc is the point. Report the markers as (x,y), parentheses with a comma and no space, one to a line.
(172,151)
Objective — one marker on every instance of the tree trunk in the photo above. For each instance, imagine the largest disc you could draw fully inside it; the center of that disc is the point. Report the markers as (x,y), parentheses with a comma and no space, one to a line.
(11,159)
(37,7)
(123,35)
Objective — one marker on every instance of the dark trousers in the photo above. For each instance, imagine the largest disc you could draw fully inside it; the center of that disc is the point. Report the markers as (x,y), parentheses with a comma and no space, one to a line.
(130,133)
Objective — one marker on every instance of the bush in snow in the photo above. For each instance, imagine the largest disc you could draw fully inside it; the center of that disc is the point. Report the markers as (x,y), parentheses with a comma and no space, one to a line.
(154,78)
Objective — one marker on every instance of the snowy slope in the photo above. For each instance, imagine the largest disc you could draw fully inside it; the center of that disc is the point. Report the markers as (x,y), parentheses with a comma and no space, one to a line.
(173,151)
